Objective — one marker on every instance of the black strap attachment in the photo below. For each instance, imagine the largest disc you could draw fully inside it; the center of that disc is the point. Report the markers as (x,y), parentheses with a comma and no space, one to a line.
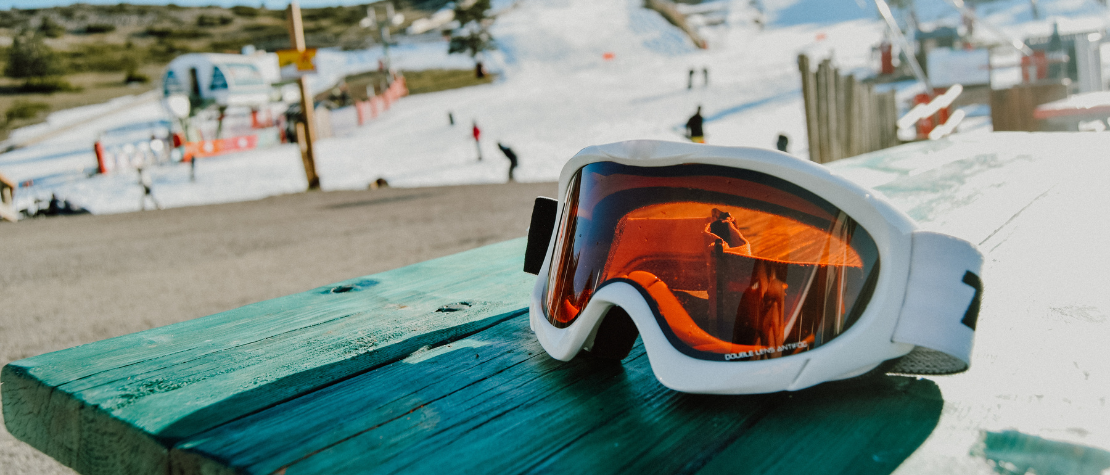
(539,233)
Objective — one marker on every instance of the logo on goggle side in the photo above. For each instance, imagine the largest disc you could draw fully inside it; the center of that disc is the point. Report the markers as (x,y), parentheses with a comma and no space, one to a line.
(765,351)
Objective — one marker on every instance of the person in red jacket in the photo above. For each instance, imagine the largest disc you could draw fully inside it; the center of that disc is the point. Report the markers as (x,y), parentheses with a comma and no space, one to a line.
(477,135)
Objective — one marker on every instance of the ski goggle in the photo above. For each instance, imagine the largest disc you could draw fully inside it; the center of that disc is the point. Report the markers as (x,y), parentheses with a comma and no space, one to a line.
(743,271)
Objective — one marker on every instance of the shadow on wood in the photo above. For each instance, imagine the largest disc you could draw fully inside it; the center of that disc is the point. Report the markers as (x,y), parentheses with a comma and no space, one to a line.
(497,403)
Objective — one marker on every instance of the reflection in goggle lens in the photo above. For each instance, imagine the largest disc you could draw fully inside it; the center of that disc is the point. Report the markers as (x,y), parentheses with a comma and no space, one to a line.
(736,264)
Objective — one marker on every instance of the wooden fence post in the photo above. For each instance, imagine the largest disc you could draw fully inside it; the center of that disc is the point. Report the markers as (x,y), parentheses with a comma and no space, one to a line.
(856,145)
(888,119)
(834,126)
(823,111)
(809,93)
(843,128)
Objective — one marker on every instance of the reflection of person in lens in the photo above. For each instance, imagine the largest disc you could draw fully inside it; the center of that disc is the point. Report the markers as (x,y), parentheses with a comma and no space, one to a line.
(724,227)
(762,310)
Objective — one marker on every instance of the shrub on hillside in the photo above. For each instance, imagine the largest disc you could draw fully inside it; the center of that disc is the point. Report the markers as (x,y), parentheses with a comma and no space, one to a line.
(94,28)
(472,36)
(168,32)
(127,8)
(69,13)
(164,50)
(12,19)
(50,28)
(233,45)
(21,109)
(244,11)
(104,57)
(133,76)
(259,30)
(29,57)
(334,15)
(47,85)
(213,20)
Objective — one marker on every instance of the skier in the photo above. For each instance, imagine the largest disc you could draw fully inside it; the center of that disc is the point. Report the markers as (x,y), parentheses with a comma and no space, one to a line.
(144,180)
(782,143)
(477,133)
(705,75)
(511,156)
(690,80)
(694,128)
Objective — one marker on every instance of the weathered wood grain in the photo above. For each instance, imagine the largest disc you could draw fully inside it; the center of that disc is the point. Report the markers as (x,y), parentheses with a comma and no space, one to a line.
(495,403)
(167,383)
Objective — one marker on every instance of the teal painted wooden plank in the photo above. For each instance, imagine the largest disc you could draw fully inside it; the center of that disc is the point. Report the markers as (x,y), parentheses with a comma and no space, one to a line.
(167,383)
(495,403)
(75,434)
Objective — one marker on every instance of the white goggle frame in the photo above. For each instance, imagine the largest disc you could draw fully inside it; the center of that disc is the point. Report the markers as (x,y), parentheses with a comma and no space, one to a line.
(924,296)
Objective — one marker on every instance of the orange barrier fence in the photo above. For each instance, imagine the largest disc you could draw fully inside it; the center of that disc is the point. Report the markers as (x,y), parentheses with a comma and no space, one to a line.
(210,148)
(370,108)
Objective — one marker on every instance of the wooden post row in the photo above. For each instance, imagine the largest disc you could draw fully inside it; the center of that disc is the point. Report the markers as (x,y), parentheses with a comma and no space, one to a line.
(844,117)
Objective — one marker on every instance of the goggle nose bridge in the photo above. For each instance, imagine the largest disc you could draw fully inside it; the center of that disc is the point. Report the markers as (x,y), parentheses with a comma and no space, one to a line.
(614,336)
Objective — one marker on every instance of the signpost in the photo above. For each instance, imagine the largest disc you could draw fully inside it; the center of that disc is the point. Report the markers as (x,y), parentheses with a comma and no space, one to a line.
(304,58)
(303,61)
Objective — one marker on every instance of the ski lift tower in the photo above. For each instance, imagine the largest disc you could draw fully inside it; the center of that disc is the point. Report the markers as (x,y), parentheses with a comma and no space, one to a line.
(382,23)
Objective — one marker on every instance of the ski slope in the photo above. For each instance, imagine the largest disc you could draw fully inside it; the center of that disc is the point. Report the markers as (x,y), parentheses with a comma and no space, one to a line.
(556,94)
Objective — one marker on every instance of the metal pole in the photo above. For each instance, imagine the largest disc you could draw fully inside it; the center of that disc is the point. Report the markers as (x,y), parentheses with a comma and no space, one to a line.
(884,10)
(1012,42)
(383,26)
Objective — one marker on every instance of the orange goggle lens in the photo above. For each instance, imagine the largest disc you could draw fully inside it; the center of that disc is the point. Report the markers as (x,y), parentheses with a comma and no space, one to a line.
(736,264)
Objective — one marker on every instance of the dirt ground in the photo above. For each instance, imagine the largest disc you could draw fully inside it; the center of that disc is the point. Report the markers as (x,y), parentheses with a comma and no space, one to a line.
(75,280)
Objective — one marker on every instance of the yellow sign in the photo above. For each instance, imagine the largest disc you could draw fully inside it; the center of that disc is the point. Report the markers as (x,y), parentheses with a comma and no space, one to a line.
(305,60)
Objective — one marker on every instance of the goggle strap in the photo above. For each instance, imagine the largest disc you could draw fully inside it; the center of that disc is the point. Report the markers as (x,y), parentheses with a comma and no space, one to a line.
(941,306)
(542,226)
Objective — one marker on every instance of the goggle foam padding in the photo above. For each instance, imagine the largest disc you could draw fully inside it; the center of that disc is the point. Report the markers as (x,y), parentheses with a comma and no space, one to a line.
(941,308)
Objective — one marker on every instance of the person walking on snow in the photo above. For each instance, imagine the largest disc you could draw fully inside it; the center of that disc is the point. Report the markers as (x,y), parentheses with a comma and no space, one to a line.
(511,156)
(477,134)
(694,128)
(147,184)
(783,143)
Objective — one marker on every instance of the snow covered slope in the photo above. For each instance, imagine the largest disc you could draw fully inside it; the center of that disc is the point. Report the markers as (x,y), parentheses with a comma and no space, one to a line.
(559,95)
(556,94)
